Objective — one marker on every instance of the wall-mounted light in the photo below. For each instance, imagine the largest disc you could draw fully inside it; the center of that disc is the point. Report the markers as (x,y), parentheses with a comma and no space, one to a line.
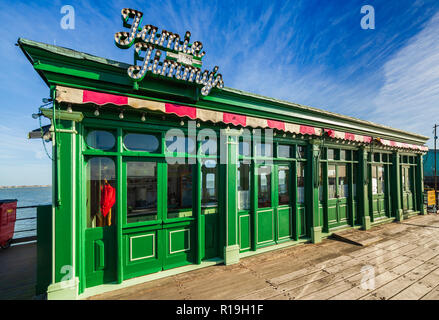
(143,118)
(69,109)
(96,113)
(121,115)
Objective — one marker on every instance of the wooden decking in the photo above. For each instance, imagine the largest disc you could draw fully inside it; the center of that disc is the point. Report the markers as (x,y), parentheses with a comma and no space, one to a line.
(403,265)
(18,268)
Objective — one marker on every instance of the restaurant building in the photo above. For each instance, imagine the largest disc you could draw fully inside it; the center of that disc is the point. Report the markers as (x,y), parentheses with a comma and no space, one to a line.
(155,174)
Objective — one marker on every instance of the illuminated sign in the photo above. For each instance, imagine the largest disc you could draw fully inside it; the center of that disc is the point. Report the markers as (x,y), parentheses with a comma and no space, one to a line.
(164,53)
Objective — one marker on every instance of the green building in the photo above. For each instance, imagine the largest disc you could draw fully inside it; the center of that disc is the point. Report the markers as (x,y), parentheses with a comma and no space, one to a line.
(281,174)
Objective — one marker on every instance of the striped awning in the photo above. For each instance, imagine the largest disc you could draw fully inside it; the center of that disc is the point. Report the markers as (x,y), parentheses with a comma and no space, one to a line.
(79,96)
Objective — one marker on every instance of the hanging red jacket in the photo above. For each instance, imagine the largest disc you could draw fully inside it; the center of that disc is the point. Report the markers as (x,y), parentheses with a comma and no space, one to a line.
(108,198)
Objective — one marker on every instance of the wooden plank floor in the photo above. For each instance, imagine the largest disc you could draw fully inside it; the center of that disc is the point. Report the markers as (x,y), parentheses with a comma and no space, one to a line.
(403,265)
(18,268)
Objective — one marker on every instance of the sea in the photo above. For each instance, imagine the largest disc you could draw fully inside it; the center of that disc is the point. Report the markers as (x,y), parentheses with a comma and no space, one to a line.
(27,196)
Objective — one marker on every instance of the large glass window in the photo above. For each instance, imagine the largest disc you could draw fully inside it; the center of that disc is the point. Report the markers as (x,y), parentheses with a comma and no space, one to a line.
(330,154)
(99,139)
(141,142)
(264,149)
(301,152)
(101,191)
(244,183)
(332,177)
(179,144)
(343,181)
(264,186)
(374,180)
(301,182)
(209,190)
(284,184)
(283,151)
(141,191)
(244,148)
(179,190)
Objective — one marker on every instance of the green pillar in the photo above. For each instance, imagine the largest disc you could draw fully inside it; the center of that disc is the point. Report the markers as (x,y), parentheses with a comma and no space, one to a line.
(420,183)
(312,183)
(396,188)
(363,186)
(64,282)
(229,138)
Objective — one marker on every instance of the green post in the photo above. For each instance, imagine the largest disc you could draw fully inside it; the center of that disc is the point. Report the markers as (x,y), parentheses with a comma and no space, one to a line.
(312,184)
(231,249)
(420,184)
(363,185)
(64,282)
(396,188)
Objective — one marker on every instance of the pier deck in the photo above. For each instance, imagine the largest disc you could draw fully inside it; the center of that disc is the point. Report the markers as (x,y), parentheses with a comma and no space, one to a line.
(18,270)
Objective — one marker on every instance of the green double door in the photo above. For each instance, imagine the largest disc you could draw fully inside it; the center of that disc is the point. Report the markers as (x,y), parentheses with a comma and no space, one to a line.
(275,203)
(407,178)
(380,204)
(158,222)
(338,195)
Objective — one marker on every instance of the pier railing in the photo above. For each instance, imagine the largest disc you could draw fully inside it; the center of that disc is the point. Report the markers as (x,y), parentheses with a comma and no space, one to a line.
(30,238)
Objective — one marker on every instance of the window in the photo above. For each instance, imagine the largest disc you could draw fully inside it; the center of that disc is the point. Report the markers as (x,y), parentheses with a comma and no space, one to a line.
(264,190)
(343,181)
(284,185)
(180,144)
(301,152)
(264,150)
(330,154)
(141,142)
(102,140)
(354,180)
(141,191)
(283,151)
(209,191)
(321,182)
(301,182)
(244,183)
(381,186)
(374,180)
(101,173)
(179,190)
(342,154)
(244,148)
(376,157)
(332,177)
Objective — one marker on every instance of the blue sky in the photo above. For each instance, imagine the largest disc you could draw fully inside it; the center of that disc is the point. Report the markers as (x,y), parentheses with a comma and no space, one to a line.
(310,52)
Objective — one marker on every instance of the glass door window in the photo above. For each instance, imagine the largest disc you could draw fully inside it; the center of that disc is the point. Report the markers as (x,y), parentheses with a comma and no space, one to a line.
(264,187)
(244,186)
(301,182)
(209,190)
(332,177)
(284,185)
(343,181)
(141,191)
(179,190)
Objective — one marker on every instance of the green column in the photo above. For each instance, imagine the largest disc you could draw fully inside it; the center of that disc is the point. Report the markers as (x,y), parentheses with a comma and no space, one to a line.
(363,186)
(229,138)
(64,282)
(396,187)
(420,183)
(312,190)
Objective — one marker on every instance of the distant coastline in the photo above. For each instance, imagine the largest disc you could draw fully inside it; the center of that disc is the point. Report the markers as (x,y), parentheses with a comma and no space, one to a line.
(32,186)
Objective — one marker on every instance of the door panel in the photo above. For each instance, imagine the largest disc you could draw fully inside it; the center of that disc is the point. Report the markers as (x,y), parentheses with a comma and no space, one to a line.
(265,225)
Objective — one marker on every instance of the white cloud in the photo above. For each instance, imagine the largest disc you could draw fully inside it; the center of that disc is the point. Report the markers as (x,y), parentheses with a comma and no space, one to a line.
(409,98)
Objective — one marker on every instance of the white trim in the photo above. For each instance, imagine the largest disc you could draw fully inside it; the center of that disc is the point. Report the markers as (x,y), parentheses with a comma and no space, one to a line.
(142,236)
(182,250)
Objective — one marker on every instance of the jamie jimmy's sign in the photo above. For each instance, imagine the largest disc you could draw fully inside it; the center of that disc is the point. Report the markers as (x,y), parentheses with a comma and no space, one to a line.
(164,53)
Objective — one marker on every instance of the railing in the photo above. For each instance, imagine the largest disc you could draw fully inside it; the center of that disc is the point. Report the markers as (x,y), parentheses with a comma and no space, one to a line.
(27,238)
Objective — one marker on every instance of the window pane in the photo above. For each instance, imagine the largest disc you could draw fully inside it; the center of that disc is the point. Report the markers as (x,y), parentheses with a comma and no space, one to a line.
(179,190)
(381,187)
(374,180)
(354,180)
(321,182)
(264,187)
(101,173)
(103,140)
(331,153)
(342,154)
(244,183)
(376,157)
(301,152)
(284,184)
(209,191)
(244,149)
(141,191)
(209,146)
(343,181)
(301,182)
(264,150)
(283,151)
(180,144)
(331,182)
(141,142)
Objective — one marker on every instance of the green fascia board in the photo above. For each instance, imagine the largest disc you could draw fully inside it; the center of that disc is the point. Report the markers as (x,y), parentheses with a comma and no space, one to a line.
(58,65)
(62,114)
